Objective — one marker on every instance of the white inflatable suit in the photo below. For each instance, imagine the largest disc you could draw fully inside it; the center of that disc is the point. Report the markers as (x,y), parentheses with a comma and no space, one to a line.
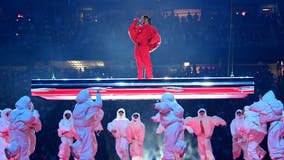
(4,132)
(135,137)
(84,119)
(239,140)
(118,128)
(275,140)
(34,127)
(270,110)
(97,126)
(174,147)
(20,120)
(255,132)
(203,126)
(67,133)
(176,108)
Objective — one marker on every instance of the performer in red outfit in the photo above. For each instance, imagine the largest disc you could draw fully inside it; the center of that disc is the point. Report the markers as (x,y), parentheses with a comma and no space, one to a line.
(146,40)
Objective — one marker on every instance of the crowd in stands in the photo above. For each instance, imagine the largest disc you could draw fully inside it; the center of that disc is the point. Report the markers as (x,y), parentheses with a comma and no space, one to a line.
(103,34)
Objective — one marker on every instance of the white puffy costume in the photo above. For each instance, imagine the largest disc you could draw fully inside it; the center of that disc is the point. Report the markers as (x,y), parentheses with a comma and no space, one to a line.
(20,119)
(97,126)
(34,127)
(275,140)
(176,108)
(4,132)
(118,128)
(67,133)
(239,139)
(84,119)
(135,137)
(270,110)
(255,132)
(203,126)
(98,118)
(171,119)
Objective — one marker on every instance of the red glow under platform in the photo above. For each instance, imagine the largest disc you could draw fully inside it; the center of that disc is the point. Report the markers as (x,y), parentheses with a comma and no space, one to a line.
(134,89)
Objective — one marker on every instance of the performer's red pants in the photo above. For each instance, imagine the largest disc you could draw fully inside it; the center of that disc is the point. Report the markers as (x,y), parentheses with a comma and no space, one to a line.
(143,60)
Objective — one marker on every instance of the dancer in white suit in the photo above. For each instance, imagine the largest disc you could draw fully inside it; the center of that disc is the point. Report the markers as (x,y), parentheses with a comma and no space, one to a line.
(203,126)
(118,128)
(135,137)
(84,119)
(67,133)
(239,140)
(20,119)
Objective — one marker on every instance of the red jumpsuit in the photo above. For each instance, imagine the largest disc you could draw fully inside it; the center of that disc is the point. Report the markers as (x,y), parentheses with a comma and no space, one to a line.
(146,40)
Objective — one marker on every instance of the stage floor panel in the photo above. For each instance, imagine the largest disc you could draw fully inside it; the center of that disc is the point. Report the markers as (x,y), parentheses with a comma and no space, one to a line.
(132,88)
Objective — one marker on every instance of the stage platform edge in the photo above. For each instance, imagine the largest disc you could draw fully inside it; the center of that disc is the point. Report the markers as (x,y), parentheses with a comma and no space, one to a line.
(145,89)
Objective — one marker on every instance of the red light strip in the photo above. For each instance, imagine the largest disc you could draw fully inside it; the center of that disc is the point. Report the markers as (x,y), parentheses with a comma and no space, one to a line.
(149,93)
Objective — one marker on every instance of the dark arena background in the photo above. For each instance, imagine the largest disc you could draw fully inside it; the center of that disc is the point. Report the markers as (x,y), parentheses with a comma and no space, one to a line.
(88,39)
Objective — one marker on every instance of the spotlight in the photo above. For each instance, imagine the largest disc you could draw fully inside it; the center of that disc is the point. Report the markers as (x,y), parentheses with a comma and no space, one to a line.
(20,15)
(186,64)
(265,9)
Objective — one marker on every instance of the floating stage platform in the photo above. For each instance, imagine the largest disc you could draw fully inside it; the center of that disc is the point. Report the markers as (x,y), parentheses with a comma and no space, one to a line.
(136,89)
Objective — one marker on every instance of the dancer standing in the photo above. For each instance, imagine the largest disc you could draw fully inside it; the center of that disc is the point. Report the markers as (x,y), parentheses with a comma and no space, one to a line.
(270,111)
(20,120)
(239,139)
(170,116)
(84,119)
(174,147)
(34,127)
(203,126)
(118,128)
(97,126)
(255,132)
(146,39)
(67,133)
(135,137)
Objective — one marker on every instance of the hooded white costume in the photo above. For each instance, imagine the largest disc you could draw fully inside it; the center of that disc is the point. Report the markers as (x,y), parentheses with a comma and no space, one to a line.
(67,133)
(84,119)
(275,140)
(135,137)
(4,132)
(203,126)
(118,128)
(255,132)
(34,127)
(270,110)
(98,118)
(20,120)
(97,126)
(176,108)
(238,138)
(171,119)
